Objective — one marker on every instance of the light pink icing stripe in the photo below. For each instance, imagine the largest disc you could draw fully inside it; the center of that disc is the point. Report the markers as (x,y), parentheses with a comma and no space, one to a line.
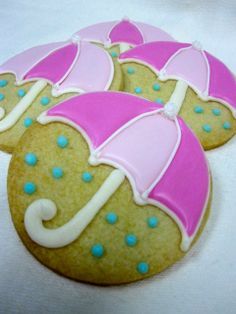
(184,187)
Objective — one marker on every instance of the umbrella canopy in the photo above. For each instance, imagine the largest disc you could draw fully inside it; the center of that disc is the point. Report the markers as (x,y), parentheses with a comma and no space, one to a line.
(124,31)
(69,66)
(160,156)
(207,75)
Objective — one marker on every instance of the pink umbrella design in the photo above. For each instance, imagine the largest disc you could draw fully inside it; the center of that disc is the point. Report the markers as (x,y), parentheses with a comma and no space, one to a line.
(190,66)
(159,155)
(71,66)
(126,33)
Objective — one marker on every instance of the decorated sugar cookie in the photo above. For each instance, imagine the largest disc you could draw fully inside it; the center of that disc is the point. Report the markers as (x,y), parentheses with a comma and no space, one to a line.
(42,76)
(109,188)
(201,87)
(124,33)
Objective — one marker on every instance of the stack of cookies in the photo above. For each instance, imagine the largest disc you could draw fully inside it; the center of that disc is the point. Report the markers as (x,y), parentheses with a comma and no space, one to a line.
(108,181)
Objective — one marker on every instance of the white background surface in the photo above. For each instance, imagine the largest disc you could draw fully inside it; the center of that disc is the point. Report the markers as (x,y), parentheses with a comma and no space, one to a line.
(205,281)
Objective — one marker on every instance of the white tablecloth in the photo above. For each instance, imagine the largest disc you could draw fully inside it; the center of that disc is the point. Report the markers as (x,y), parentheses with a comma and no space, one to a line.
(205,281)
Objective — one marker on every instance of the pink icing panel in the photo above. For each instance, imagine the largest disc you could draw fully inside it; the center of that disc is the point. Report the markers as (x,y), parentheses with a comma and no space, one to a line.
(92,71)
(100,114)
(98,32)
(222,83)
(143,149)
(55,65)
(127,32)
(155,54)
(184,187)
(23,62)
(152,33)
(190,64)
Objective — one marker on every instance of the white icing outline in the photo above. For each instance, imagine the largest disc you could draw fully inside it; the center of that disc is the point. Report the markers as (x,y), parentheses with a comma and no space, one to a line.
(173,77)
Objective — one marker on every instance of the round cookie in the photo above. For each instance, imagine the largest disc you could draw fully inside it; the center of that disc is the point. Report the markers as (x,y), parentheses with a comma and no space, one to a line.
(43,76)
(124,212)
(201,86)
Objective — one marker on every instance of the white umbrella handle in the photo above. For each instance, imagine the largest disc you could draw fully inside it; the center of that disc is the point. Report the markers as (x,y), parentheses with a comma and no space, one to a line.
(44,209)
(124,47)
(22,106)
(178,95)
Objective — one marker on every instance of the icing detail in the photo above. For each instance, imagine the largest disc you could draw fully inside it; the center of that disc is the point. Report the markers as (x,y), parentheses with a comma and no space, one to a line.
(31,159)
(97,250)
(168,179)
(44,209)
(131,240)
(152,222)
(216,111)
(198,109)
(207,128)
(138,90)
(29,188)
(156,87)
(28,122)
(87,177)
(62,141)
(44,101)
(2,97)
(22,106)
(143,268)
(21,92)
(227,125)
(111,218)
(57,172)
(170,110)
(3,83)
(208,76)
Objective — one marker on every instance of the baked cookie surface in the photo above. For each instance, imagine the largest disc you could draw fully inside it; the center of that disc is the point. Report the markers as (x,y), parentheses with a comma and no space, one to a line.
(125,240)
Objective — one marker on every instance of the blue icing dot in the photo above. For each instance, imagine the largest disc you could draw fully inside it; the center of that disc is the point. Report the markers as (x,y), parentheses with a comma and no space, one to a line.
(3,83)
(207,128)
(143,268)
(45,101)
(111,218)
(216,111)
(152,222)
(114,54)
(21,92)
(156,87)
(1,97)
(227,125)
(97,250)
(62,141)
(31,159)
(28,122)
(159,101)
(29,188)
(198,109)
(57,172)
(138,90)
(130,70)
(131,239)
(87,177)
